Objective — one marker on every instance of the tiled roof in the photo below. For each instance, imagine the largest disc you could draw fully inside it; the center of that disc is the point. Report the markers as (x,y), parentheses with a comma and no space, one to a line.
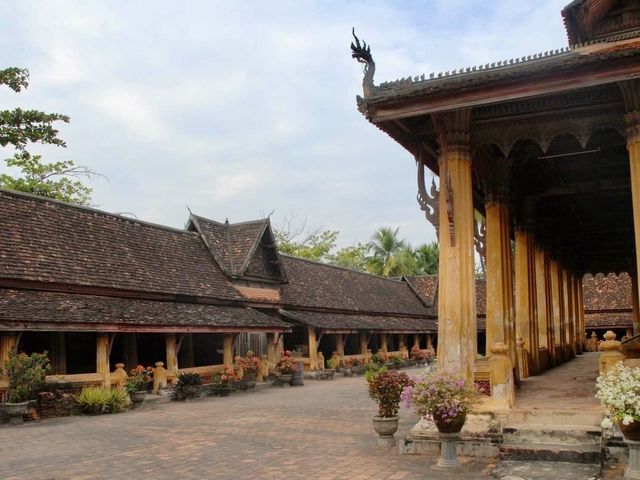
(608,320)
(49,241)
(333,321)
(234,245)
(313,284)
(611,292)
(427,287)
(19,307)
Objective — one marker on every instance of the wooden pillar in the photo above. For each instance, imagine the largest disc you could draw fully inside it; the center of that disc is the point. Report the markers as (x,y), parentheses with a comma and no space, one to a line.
(130,344)
(416,341)
(580,330)
(172,354)
(272,343)
(313,348)
(570,314)
(58,353)
(526,299)
(383,342)
(402,341)
(102,357)
(7,345)
(456,273)
(631,96)
(555,303)
(364,343)
(340,338)
(227,349)
(634,300)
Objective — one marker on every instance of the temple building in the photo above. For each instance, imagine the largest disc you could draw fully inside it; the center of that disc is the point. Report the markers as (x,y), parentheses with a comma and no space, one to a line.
(96,290)
(546,148)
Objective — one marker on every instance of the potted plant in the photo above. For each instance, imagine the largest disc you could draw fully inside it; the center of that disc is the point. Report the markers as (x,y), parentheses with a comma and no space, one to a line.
(618,393)
(188,386)
(250,366)
(97,400)
(26,375)
(285,368)
(443,396)
(137,382)
(357,368)
(223,382)
(385,388)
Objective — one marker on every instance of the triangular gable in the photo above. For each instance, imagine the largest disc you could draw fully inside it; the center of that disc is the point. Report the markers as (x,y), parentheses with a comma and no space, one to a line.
(587,20)
(243,250)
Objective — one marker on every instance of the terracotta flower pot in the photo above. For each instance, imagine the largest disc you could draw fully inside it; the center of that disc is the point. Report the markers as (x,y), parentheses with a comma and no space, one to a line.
(450,425)
(631,431)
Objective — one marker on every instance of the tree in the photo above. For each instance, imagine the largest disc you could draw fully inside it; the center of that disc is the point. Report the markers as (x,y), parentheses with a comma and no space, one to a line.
(427,258)
(20,127)
(389,255)
(353,257)
(293,239)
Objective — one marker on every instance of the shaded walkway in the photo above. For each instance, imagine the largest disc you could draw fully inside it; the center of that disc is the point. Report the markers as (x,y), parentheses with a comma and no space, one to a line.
(570,387)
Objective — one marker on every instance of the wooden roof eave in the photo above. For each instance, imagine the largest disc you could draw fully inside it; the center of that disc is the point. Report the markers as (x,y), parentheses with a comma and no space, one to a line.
(131,328)
(412,104)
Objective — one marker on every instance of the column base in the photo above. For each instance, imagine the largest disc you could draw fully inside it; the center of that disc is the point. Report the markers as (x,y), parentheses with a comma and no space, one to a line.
(632,472)
(448,451)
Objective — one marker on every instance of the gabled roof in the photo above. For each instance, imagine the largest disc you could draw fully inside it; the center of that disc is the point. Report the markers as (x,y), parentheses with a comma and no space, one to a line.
(318,285)
(606,293)
(43,240)
(350,322)
(235,246)
(427,287)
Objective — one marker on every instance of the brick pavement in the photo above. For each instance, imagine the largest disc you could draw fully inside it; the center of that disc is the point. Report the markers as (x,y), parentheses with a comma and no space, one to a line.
(320,431)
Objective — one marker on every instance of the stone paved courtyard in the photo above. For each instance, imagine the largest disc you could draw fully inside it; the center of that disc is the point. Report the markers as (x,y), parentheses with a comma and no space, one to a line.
(320,431)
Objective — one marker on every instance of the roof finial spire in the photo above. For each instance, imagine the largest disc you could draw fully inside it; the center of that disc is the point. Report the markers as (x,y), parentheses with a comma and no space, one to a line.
(362,53)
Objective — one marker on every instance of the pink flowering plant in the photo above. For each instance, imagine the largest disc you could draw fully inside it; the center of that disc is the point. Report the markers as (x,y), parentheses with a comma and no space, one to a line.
(385,388)
(440,393)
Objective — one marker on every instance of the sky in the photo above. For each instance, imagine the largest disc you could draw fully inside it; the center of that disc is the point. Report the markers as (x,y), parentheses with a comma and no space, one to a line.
(243,109)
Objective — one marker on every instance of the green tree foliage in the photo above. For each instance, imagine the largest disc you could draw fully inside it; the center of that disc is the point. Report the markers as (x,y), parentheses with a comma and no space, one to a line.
(353,257)
(19,128)
(315,246)
(427,258)
(48,179)
(390,256)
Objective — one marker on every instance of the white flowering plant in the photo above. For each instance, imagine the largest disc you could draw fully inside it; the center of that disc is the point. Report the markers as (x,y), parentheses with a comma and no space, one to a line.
(619,393)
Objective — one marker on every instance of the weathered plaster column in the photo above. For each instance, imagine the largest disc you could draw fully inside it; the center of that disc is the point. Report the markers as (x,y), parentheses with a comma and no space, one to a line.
(631,95)
(383,342)
(580,330)
(456,274)
(542,304)
(581,311)
(102,357)
(58,353)
(313,348)
(130,343)
(495,173)
(569,313)
(227,349)
(526,301)
(171,352)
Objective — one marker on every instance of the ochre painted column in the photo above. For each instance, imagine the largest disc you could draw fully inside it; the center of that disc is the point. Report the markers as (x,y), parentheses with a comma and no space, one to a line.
(556,306)
(171,352)
(364,343)
(542,289)
(526,301)
(569,315)
(580,331)
(416,341)
(227,348)
(581,312)
(402,341)
(313,348)
(456,274)
(383,342)
(102,358)
(7,345)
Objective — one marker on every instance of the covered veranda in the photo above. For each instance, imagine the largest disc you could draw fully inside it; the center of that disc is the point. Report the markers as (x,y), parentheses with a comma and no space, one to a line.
(547,149)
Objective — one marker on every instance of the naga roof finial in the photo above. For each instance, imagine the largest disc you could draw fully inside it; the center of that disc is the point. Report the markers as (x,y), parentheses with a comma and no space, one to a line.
(362,53)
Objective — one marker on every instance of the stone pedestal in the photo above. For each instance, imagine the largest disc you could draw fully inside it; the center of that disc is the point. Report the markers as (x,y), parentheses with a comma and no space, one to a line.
(632,472)
(448,453)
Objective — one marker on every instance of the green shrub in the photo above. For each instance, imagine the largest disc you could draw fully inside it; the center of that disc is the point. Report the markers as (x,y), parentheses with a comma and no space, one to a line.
(187,386)
(26,375)
(189,379)
(372,369)
(102,399)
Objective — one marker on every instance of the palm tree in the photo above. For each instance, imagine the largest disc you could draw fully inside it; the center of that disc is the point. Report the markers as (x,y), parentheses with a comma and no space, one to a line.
(389,255)
(427,258)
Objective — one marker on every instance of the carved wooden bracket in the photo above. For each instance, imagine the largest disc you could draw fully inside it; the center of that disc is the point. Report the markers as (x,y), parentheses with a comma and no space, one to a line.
(479,236)
(429,201)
